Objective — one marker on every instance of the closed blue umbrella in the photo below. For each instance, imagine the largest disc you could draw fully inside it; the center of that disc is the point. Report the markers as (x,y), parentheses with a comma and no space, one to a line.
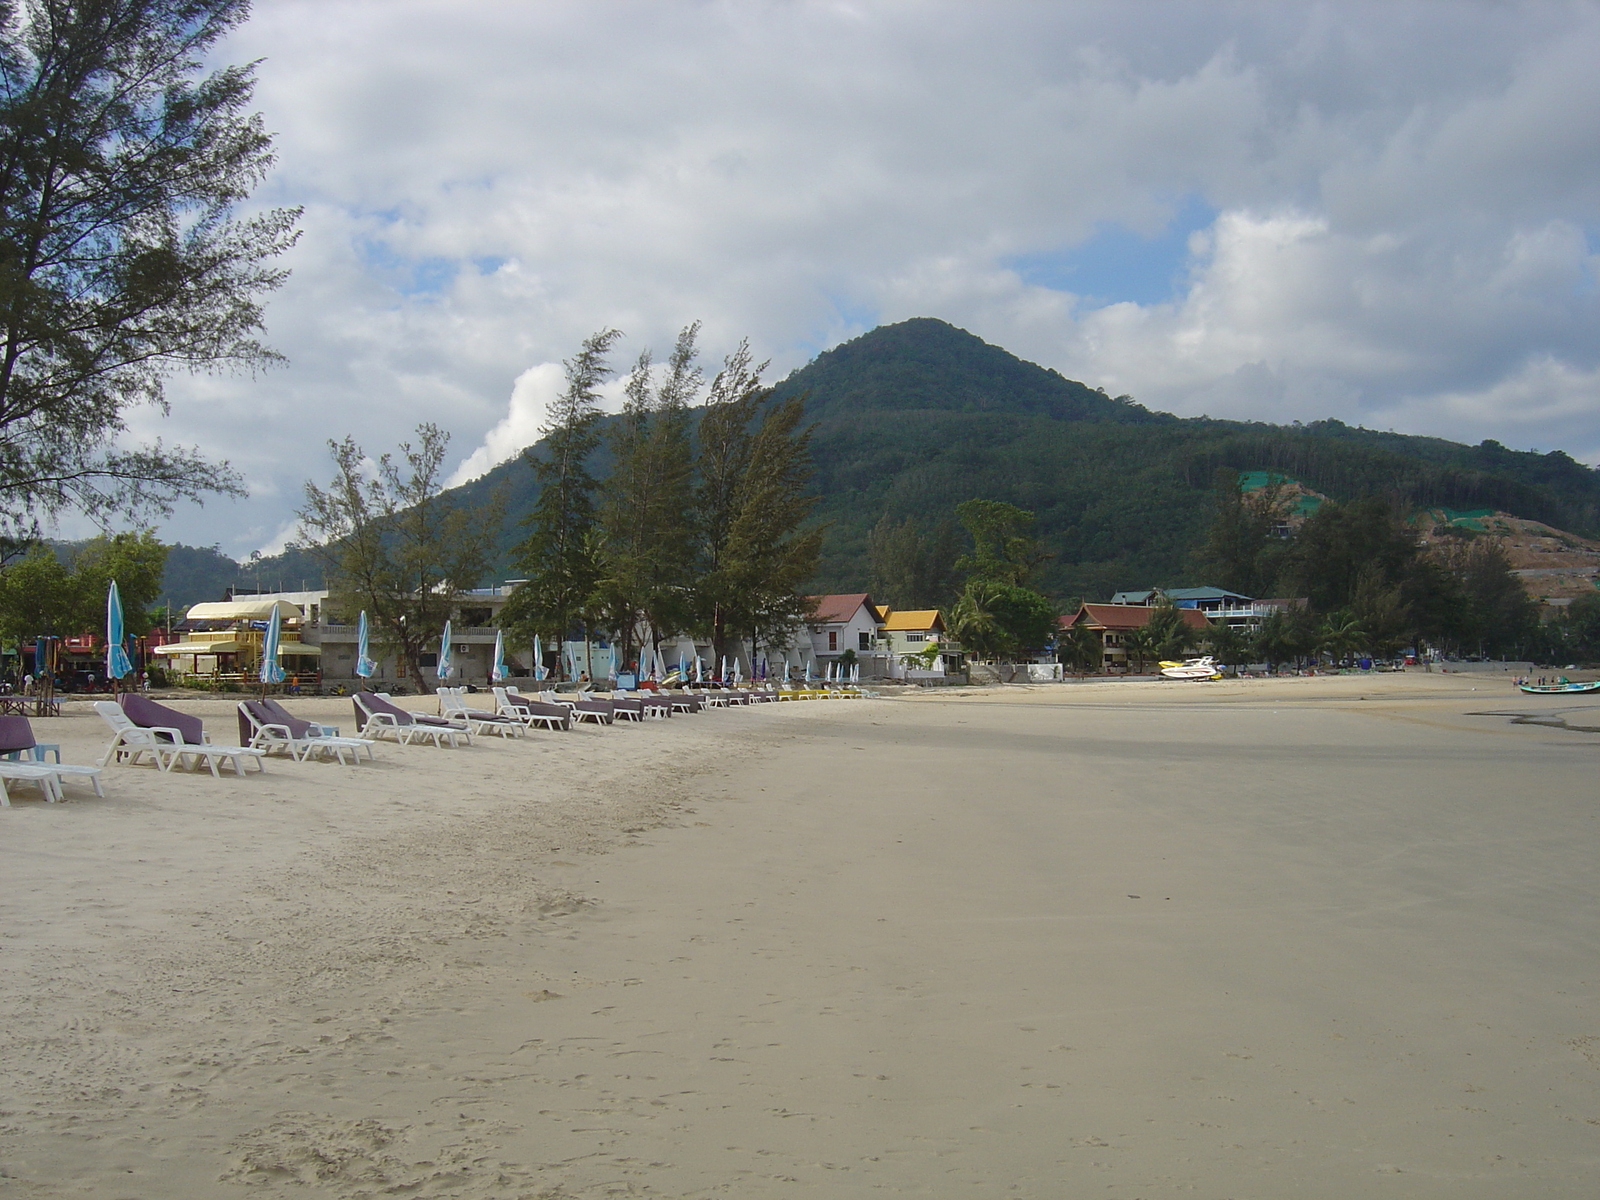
(271,671)
(445,668)
(498,671)
(117,661)
(365,667)
(539,669)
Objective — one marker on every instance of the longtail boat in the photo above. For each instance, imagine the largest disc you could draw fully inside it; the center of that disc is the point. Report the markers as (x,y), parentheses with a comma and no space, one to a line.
(1560,689)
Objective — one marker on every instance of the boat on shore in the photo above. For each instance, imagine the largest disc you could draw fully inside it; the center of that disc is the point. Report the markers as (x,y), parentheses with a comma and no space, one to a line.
(1561,688)
(1192,668)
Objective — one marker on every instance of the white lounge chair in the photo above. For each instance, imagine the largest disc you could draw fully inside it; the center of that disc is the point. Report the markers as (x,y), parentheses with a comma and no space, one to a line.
(18,748)
(453,706)
(172,744)
(584,707)
(627,708)
(381,717)
(265,725)
(42,777)
(531,712)
(131,741)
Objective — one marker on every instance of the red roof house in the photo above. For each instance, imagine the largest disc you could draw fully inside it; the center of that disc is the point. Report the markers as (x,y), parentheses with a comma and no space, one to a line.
(1113,622)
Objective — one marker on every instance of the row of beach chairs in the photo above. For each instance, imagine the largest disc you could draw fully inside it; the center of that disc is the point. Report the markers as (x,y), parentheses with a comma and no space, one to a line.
(142,729)
(514,714)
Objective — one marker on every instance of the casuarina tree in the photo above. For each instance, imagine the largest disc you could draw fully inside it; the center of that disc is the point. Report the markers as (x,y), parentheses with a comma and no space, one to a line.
(647,503)
(122,161)
(561,554)
(392,543)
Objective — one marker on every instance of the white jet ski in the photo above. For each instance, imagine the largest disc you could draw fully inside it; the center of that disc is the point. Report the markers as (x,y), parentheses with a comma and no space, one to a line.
(1193,668)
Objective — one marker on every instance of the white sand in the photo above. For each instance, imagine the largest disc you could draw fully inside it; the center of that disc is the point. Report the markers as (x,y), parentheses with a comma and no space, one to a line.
(1242,940)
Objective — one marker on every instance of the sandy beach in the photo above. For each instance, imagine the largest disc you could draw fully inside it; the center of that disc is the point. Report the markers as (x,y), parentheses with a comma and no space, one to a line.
(1324,937)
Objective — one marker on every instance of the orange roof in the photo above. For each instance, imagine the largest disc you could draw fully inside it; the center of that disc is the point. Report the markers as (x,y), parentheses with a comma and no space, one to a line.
(1128,616)
(840,608)
(913,618)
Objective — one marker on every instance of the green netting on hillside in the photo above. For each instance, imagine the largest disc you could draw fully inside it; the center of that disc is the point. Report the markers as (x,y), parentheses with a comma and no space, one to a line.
(1254,481)
(1461,518)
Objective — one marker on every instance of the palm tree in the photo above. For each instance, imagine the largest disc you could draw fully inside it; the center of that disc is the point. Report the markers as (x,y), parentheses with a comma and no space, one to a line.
(1140,645)
(973,625)
(1341,635)
(1080,648)
(1228,646)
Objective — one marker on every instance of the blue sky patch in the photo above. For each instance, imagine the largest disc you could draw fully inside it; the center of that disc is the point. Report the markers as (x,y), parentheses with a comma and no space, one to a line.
(409,276)
(855,315)
(1116,264)
(1589,277)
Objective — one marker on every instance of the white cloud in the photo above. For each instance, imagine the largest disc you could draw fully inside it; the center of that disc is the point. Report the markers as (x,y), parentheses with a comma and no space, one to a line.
(531,396)
(1405,206)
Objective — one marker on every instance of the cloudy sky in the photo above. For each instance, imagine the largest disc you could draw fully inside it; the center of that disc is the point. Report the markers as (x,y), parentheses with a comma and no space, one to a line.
(1388,213)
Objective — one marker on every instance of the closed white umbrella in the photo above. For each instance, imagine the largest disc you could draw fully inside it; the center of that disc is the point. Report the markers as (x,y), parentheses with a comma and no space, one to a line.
(539,669)
(446,666)
(365,667)
(271,671)
(117,662)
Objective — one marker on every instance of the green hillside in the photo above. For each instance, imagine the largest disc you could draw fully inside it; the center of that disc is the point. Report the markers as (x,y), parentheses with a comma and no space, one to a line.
(916,417)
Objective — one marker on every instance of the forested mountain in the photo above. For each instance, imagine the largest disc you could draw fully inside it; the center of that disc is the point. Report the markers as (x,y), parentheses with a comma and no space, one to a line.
(916,417)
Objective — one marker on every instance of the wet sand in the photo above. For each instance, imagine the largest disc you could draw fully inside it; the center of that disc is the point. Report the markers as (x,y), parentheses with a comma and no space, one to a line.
(1321,937)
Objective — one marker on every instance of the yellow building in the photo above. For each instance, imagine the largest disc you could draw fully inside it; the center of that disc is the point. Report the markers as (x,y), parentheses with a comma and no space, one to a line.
(223,640)
(909,631)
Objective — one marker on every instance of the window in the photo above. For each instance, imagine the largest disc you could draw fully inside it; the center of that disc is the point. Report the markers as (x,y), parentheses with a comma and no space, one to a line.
(915,637)
(833,639)
(864,640)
